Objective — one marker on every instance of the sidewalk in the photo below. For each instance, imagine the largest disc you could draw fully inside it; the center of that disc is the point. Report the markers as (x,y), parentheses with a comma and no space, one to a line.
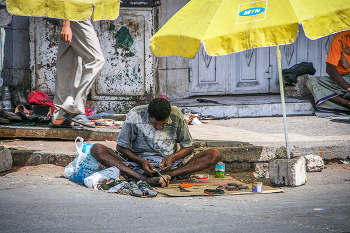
(306,134)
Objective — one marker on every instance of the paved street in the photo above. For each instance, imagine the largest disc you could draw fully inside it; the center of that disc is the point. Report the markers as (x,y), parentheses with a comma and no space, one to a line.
(38,199)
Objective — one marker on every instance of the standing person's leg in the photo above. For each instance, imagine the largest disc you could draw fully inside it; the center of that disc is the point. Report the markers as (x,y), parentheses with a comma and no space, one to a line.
(86,45)
(69,70)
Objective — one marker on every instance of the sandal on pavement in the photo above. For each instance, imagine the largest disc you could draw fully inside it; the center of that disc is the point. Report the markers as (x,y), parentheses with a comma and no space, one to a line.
(66,124)
(80,119)
(131,189)
(146,189)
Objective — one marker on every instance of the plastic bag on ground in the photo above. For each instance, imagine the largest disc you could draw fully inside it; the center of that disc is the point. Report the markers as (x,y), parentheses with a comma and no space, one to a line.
(83,165)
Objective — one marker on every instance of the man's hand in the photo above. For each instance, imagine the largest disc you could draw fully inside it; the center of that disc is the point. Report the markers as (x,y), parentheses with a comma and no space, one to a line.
(166,163)
(147,167)
(66,32)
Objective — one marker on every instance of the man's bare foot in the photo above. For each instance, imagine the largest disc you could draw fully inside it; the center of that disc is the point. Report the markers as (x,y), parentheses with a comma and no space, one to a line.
(158,181)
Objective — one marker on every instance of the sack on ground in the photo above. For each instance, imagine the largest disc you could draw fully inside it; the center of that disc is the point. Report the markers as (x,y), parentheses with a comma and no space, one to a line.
(83,165)
(101,177)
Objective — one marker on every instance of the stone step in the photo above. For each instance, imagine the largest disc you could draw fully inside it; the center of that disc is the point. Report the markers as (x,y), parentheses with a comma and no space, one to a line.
(45,132)
(237,156)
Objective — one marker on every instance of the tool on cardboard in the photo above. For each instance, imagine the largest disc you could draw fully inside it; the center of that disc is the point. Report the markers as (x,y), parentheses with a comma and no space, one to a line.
(182,189)
(214,191)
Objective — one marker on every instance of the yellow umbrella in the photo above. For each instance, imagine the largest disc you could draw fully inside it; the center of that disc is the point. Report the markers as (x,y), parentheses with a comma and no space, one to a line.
(227,26)
(76,10)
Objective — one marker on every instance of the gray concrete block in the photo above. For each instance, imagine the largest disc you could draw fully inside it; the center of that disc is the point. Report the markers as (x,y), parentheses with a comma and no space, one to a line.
(299,89)
(5,159)
(314,163)
(288,172)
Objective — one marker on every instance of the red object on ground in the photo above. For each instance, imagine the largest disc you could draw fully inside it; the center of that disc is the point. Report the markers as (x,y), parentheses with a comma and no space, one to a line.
(40,98)
(90,111)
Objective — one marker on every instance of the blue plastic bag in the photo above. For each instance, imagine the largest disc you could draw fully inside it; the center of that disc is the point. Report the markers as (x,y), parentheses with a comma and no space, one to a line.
(83,165)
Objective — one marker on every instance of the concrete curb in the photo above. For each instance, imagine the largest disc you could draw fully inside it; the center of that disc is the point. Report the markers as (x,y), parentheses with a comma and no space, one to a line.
(237,156)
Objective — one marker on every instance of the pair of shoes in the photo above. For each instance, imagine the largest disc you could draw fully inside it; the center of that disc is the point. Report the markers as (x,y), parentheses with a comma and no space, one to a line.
(146,189)
(10,115)
(66,124)
(80,119)
(131,189)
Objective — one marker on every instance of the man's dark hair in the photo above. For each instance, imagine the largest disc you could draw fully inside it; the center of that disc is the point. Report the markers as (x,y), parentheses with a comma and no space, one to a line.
(159,109)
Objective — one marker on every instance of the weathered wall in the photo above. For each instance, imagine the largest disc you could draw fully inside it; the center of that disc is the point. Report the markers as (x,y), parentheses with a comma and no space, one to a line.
(129,76)
(173,71)
(16,53)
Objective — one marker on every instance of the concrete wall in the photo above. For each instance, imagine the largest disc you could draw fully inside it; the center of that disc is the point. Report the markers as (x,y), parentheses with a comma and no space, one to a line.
(16,70)
(173,71)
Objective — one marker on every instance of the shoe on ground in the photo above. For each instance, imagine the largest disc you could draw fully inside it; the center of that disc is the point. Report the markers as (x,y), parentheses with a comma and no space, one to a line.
(146,189)
(131,189)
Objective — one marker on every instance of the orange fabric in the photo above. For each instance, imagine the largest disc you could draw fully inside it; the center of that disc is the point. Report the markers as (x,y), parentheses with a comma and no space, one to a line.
(185,185)
(339,52)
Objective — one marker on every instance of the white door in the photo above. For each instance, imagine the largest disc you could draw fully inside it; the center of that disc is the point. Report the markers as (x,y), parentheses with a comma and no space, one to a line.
(238,73)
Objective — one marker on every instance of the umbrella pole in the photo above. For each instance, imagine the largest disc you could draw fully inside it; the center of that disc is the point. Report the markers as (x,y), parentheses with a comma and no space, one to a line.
(278,54)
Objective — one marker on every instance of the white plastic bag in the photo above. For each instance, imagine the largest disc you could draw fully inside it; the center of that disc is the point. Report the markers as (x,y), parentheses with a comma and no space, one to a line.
(83,165)
(101,177)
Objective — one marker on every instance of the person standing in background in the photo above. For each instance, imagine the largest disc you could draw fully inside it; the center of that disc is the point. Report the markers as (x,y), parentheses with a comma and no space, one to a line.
(78,44)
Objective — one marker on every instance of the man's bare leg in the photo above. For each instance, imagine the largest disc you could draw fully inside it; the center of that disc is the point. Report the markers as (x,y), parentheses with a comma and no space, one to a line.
(199,162)
(109,158)
(340,100)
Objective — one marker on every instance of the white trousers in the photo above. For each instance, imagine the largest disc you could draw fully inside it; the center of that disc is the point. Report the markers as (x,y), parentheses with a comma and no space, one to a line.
(73,83)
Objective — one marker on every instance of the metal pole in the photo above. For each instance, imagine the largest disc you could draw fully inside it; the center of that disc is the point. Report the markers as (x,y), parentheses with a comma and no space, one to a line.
(278,54)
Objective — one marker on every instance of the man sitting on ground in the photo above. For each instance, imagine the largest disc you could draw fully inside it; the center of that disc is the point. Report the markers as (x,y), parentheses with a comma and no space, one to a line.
(333,93)
(149,139)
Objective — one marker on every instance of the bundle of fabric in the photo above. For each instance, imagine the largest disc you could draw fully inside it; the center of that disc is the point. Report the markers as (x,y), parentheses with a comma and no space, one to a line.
(290,75)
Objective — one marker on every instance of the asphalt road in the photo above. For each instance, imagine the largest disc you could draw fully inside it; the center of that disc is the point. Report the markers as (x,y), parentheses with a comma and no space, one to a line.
(37,199)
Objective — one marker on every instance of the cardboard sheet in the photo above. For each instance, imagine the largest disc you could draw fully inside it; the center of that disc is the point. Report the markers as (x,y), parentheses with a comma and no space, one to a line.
(199,185)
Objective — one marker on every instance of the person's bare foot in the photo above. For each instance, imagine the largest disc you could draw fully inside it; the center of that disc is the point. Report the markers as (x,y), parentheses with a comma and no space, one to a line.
(158,181)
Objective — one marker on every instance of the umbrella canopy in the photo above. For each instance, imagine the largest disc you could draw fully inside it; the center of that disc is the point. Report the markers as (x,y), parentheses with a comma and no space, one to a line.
(76,10)
(227,26)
